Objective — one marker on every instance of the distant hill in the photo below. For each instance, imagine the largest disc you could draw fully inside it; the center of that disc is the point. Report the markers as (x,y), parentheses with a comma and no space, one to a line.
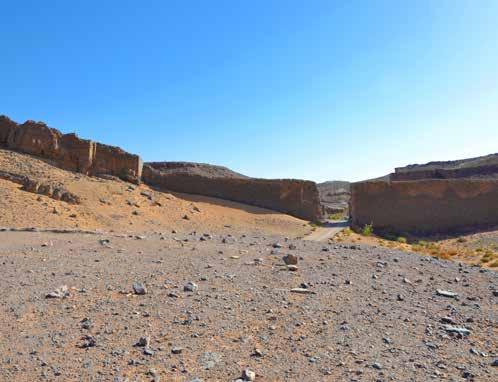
(479,167)
(335,195)
(192,168)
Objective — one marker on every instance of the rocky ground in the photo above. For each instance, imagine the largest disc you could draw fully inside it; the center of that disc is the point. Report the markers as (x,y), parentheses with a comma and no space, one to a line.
(224,306)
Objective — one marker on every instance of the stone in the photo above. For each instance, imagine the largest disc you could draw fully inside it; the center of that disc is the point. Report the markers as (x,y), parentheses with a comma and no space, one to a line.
(208,360)
(143,342)
(88,342)
(446,293)
(60,292)
(292,268)
(176,350)
(447,320)
(139,289)
(86,323)
(190,287)
(302,291)
(455,329)
(248,375)
(148,351)
(290,259)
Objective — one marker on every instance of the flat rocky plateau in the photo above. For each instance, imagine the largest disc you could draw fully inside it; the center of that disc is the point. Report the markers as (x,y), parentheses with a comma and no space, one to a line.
(201,307)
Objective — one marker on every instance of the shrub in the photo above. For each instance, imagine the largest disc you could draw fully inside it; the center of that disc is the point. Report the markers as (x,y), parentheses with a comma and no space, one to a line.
(347,231)
(401,239)
(367,230)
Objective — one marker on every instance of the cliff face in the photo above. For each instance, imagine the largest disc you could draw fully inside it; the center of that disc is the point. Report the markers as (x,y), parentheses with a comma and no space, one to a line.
(479,167)
(430,198)
(295,197)
(425,206)
(69,151)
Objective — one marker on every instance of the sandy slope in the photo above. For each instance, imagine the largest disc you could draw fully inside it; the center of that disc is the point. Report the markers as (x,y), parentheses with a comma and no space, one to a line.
(120,206)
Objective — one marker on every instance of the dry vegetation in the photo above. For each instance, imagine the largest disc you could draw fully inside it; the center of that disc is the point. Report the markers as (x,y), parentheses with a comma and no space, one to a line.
(477,248)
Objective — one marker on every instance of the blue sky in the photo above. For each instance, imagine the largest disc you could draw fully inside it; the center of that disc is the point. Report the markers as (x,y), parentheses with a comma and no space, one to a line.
(286,89)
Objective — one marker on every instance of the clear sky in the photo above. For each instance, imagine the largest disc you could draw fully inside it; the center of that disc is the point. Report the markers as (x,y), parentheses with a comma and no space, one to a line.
(288,89)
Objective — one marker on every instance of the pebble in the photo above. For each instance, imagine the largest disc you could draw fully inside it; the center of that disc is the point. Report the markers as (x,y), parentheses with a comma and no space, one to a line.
(176,350)
(139,289)
(143,342)
(290,259)
(190,287)
(377,366)
(60,292)
(302,291)
(456,329)
(248,375)
(446,293)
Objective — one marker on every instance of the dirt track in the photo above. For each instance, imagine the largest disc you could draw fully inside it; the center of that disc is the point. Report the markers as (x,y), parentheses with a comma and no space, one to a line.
(329,230)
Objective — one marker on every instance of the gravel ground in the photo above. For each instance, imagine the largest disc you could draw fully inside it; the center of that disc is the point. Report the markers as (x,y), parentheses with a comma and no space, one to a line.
(192,307)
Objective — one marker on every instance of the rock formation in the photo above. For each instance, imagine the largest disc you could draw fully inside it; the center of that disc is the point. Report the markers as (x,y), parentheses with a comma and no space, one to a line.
(431,198)
(296,197)
(69,151)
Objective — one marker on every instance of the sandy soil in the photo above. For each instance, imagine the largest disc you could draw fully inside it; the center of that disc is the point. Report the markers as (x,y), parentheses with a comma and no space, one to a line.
(478,248)
(122,207)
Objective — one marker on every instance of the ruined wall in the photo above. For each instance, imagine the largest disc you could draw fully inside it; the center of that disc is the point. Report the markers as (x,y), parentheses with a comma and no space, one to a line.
(295,197)
(425,206)
(68,151)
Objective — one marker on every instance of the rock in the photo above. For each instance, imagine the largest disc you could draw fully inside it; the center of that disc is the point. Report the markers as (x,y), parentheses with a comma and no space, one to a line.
(86,323)
(495,363)
(455,329)
(447,320)
(148,351)
(143,342)
(190,287)
(292,268)
(446,293)
(302,291)
(248,375)
(377,366)
(88,342)
(290,259)
(277,245)
(139,289)
(61,292)
(176,350)
(208,360)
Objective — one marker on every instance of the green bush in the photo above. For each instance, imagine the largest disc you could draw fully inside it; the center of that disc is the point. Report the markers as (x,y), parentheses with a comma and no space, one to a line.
(367,230)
